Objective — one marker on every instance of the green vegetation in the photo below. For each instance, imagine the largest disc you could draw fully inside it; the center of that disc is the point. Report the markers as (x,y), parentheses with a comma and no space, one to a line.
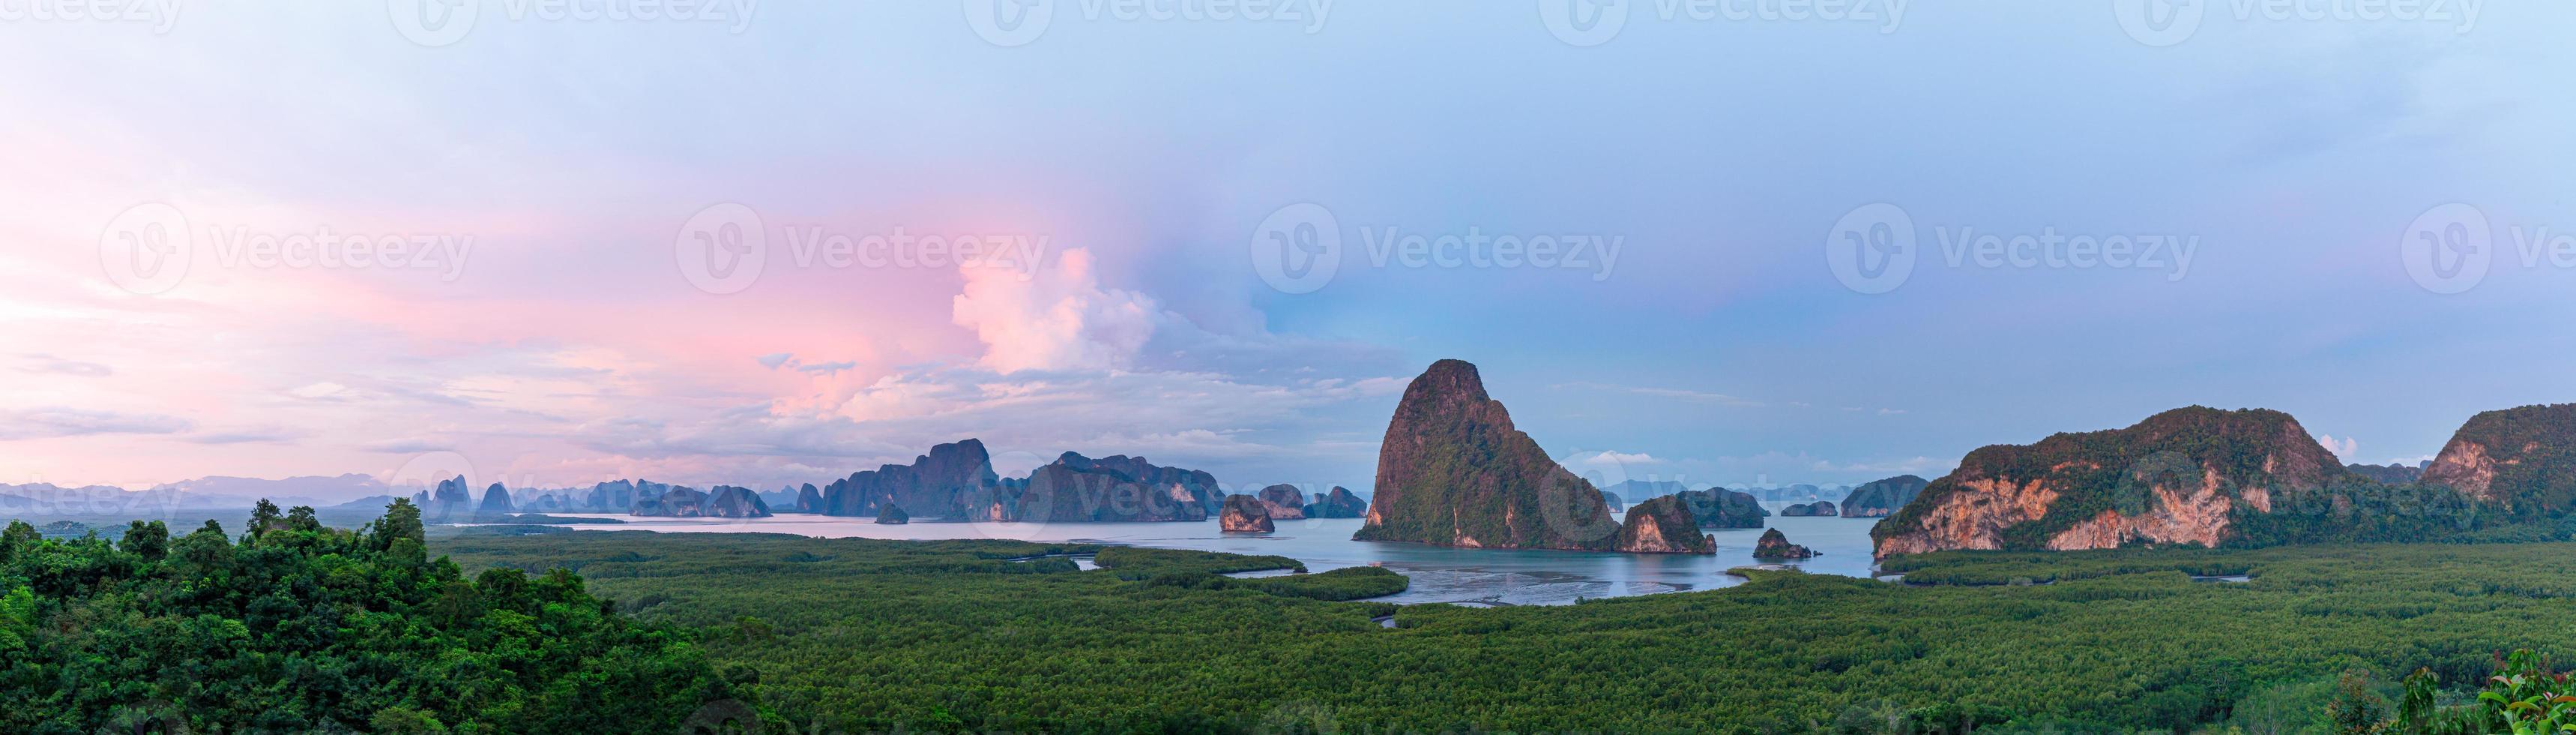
(856,635)
(294,627)
(2286,489)
(2529,452)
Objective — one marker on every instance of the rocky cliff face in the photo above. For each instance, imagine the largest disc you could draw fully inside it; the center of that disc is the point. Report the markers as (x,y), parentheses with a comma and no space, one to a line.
(450,501)
(2179,476)
(1199,486)
(1245,514)
(809,499)
(1612,500)
(2521,458)
(1079,489)
(1285,502)
(1775,545)
(1818,508)
(727,501)
(1339,503)
(724,501)
(892,515)
(677,502)
(1663,526)
(621,496)
(1881,498)
(496,501)
(1719,507)
(1452,471)
(939,484)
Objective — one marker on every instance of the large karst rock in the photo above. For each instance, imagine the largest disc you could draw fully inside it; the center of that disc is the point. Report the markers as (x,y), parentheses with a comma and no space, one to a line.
(1719,507)
(677,502)
(2179,476)
(939,484)
(1881,498)
(1245,514)
(1285,502)
(1453,471)
(2523,459)
(809,499)
(727,501)
(1775,545)
(724,501)
(1801,510)
(496,502)
(1663,526)
(1338,503)
(1114,489)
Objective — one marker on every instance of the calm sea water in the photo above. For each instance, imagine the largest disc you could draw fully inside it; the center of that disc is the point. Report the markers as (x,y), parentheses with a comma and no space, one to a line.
(1439,574)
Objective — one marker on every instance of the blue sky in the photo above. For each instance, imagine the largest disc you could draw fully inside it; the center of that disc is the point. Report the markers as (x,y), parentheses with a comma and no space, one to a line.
(2292,157)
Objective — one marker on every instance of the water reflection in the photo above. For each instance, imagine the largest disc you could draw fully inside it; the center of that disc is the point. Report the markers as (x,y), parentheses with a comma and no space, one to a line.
(1480,576)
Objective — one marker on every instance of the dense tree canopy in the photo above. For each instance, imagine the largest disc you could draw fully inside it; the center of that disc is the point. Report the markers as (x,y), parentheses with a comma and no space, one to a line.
(294,627)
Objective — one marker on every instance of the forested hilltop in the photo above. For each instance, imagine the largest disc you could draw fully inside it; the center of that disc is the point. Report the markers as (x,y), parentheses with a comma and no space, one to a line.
(292,627)
(2245,478)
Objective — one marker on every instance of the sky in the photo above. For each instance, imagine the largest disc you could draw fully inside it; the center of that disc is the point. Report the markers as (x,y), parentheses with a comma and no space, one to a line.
(1727,241)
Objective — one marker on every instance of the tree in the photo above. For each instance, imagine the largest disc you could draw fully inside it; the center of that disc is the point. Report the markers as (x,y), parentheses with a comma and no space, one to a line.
(148,540)
(262,517)
(401,521)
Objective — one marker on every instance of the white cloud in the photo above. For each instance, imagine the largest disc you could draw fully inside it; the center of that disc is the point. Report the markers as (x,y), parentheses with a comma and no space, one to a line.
(1055,319)
(1610,458)
(2343,449)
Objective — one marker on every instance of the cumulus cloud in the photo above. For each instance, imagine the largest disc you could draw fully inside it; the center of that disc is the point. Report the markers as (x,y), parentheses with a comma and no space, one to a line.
(2342,448)
(1054,319)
